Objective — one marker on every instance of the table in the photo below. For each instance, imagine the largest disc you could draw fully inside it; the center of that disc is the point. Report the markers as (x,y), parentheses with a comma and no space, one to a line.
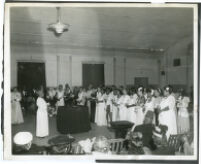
(73,119)
(121,128)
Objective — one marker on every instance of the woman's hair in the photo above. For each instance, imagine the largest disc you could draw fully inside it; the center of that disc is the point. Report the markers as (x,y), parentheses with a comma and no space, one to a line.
(148,90)
(168,88)
(140,88)
(182,92)
(158,90)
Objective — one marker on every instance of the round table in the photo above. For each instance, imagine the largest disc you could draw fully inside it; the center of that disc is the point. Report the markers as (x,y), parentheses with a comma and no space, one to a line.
(73,119)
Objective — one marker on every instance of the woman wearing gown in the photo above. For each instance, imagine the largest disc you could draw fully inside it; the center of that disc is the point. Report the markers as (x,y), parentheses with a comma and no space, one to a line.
(60,96)
(42,125)
(183,121)
(108,99)
(100,116)
(16,113)
(122,105)
(167,115)
(139,106)
(132,113)
(149,103)
(115,110)
(157,101)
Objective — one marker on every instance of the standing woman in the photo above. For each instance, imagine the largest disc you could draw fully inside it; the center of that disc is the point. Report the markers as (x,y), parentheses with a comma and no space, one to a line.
(42,126)
(157,101)
(149,103)
(60,96)
(132,115)
(123,102)
(16,113)
(108,100)
(100,117)
(115,99)
(167,115)
(183,121)
(139,106)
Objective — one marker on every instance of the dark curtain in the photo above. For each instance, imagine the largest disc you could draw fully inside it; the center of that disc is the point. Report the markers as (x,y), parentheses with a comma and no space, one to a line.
(93,74)
(31,75)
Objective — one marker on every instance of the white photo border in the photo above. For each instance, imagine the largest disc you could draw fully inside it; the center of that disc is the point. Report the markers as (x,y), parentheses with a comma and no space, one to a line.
(7,67)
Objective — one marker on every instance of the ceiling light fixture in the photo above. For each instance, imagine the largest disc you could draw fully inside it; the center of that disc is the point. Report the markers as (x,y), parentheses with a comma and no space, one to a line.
(58,28)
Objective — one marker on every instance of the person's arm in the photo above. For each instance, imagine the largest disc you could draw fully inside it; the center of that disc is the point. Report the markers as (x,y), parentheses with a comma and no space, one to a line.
(18,97)
(165,109)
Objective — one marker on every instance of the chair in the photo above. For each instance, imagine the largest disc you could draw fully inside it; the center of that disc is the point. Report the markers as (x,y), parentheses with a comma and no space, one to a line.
(77,149)
(116,145)
(174,142)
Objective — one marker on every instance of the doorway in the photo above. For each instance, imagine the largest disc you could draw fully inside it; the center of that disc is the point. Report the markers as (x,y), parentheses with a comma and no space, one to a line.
(141,81)
(31,75)
(93,74)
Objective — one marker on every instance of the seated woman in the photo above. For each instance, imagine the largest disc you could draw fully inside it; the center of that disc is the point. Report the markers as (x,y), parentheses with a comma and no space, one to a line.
(146,129)
(101,146)
(135,143)
(160,141)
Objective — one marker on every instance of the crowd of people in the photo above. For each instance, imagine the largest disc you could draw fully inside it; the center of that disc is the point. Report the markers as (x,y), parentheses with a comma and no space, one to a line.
(108,104)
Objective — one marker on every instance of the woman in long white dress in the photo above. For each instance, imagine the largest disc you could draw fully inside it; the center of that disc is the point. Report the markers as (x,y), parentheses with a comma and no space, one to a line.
(139,106)
(122,105)
(16,112)
(167,115)
(132,113)
(108,100)
(100,116)
(42,123)
(183,121)
(115,110)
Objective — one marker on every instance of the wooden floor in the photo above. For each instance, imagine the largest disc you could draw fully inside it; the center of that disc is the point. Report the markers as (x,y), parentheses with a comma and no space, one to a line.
(30,125)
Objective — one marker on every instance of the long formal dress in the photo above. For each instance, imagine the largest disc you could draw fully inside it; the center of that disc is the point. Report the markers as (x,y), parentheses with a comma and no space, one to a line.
(123,110)
(16,112)
(42,125)
(183,121)
(149,106)
(139,109)
(157,102)
(100,116)
(115,111)
(168,117)
(132,113)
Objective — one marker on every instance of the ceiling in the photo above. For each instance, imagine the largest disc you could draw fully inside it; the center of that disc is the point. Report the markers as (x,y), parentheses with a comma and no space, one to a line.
(127,28)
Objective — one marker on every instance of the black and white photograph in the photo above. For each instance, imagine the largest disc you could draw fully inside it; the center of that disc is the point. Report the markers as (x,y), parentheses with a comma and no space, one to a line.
(103,80)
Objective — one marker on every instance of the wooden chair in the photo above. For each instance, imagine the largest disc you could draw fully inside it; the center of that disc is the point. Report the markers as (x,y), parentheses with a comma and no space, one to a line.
(116,145)
(174,142)
(77,149)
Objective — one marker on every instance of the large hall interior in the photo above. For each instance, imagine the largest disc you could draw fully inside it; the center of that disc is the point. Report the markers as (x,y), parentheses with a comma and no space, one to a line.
(103,52)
